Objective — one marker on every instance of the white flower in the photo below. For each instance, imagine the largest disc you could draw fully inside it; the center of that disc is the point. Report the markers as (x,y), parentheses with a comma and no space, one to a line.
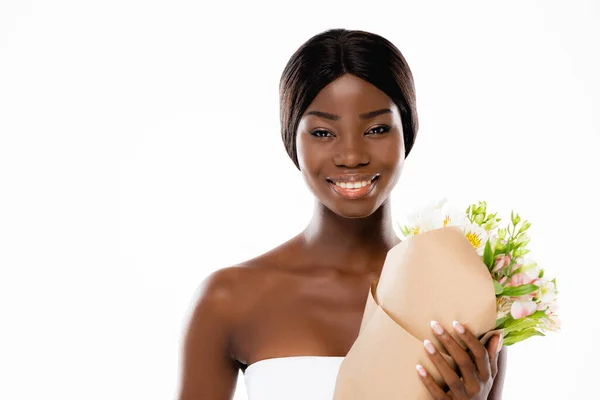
(553,322)
(452,216)
(529,267)
(547,290)
(477,236)
(435,215)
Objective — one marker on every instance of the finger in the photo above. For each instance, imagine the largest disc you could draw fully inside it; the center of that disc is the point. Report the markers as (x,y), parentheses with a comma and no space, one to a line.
(467,368)
(494,353)
(431,385)
(480,353)
(446,371)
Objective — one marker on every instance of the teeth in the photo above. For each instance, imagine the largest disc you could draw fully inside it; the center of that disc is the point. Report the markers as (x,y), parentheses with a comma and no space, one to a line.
(352,185)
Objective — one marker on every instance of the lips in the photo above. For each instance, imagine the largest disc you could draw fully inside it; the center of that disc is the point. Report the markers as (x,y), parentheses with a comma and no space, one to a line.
(353,186)
(352,178)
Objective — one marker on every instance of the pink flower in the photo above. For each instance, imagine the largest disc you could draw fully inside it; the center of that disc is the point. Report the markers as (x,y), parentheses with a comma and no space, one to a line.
(501,262)
(515,267)
(520,279)
(522,308)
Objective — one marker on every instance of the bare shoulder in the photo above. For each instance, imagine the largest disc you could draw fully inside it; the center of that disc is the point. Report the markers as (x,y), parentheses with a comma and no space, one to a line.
(226,290)
(208,369)
(218,290)
(220,294)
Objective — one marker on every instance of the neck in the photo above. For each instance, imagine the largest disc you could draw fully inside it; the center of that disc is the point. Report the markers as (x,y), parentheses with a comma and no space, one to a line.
(352,244)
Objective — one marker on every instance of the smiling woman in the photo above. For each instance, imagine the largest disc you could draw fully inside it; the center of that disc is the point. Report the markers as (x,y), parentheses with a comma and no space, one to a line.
(288,317)
(358,154)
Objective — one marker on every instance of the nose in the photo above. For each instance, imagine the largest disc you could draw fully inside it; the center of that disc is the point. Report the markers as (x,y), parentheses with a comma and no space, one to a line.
(351,152)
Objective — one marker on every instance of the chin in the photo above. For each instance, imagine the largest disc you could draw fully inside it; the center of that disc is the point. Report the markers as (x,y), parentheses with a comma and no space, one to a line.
(352,211)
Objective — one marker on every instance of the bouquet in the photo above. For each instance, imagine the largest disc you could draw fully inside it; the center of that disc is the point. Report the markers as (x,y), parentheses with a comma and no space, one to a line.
(525,299)
(451,266)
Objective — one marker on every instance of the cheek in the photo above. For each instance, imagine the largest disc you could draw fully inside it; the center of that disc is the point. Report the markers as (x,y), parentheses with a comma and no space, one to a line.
(310,157)
(392,153)
(300,151)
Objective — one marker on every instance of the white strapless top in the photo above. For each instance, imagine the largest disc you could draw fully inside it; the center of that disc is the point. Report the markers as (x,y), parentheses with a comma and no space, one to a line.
(292,378)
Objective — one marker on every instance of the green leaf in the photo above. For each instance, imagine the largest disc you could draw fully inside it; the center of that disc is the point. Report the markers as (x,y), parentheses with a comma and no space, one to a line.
(519,290)
(523,240)
(501,321)
(519,325)
(479,219)
(525,226)
(516,337)
(538,314)
(498,287)
(521,252)
(488,254)
(500,248)
(502,233)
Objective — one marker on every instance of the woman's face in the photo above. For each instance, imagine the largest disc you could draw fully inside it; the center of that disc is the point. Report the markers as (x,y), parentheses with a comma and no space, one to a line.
(350,146)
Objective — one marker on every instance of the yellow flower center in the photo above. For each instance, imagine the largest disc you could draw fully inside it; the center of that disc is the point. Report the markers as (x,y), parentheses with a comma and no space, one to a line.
(474,239)
(415,230)
(446,220)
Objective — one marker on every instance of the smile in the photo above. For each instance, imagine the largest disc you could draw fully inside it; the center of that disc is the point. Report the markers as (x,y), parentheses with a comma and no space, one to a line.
(351,188)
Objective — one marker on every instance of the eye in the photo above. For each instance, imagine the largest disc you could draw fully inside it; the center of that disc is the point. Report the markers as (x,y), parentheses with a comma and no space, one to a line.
(378,130)
(321,133)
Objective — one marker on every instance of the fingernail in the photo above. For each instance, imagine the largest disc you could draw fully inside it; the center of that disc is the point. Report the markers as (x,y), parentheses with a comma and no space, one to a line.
(429,347)
(421,371)
(437,328)
(458,327)
(500,343)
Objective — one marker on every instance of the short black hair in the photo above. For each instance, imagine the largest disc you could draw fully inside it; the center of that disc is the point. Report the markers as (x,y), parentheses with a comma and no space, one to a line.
(332,53)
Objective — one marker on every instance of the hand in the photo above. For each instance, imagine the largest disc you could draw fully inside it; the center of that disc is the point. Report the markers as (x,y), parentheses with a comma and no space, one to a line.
(478,370)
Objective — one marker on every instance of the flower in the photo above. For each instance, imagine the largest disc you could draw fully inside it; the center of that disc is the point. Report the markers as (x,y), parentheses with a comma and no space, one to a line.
(529,267)
(437,214)
(520,279)
(477,236)
(522,308)
(555,322)
(502,261)
(503,306)
(552,322)
(521,290)
(547,290)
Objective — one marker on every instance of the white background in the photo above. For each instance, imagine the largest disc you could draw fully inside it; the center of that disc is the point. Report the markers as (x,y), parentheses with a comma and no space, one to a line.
(140,151)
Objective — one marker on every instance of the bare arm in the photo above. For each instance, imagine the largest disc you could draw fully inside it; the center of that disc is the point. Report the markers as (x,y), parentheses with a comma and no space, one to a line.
(496,393)
(207,370)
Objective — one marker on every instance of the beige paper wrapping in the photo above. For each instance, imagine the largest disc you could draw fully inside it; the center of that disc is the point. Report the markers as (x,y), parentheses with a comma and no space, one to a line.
(436,275)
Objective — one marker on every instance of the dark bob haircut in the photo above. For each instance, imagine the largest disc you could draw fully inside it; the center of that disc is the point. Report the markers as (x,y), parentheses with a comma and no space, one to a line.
(332,53)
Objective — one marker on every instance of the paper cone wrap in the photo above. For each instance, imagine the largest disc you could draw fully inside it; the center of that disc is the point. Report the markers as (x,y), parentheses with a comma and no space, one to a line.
(436,275)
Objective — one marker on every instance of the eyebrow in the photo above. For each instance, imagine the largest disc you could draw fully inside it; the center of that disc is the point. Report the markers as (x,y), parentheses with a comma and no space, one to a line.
(333,117)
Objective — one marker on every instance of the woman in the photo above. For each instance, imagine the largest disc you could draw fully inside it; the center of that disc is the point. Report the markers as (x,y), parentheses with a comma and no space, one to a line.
(288,317)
